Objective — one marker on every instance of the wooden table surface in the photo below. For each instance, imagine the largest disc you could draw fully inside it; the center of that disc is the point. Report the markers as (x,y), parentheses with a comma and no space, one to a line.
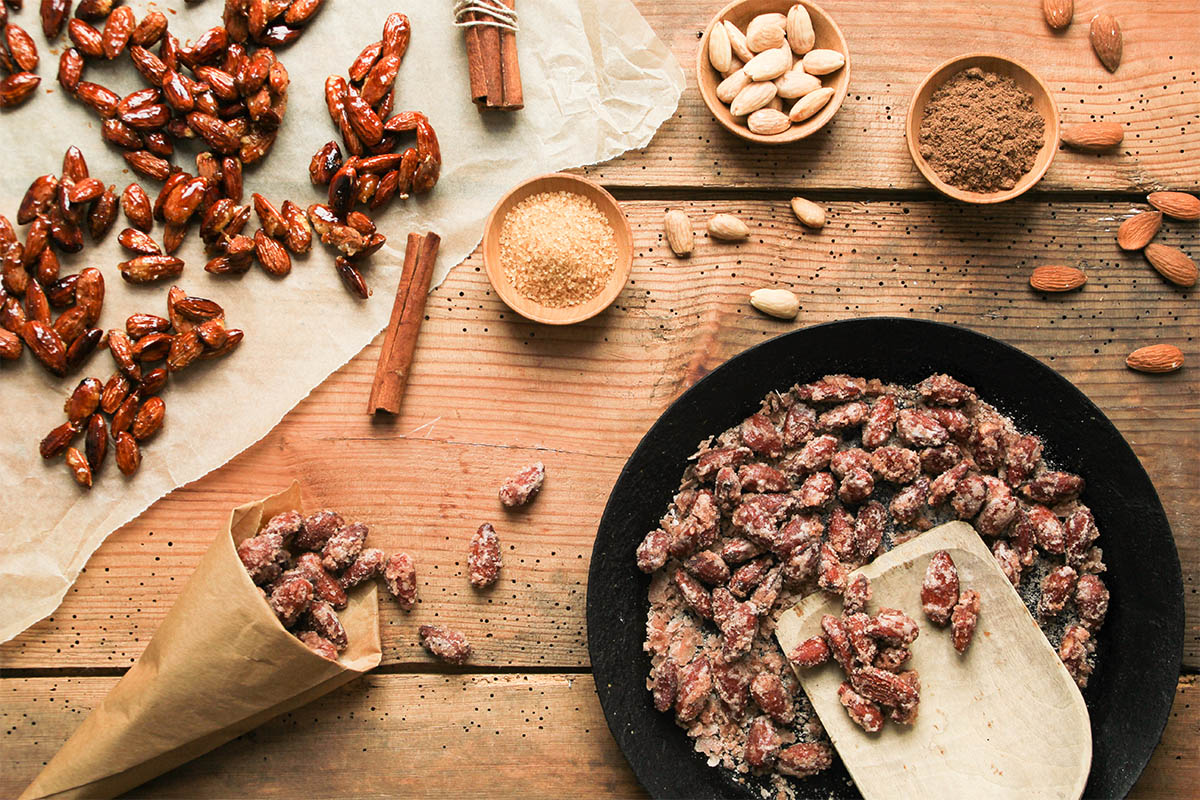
(490,392)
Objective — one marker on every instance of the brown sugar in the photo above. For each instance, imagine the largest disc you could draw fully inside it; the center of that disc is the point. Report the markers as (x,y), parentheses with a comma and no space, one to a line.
(981,131)
(557,248)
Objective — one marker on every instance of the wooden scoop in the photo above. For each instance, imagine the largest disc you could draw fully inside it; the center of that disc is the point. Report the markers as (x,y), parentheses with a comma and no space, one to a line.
(1003,720)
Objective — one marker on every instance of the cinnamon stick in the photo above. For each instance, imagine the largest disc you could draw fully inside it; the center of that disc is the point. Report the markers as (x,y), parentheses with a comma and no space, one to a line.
(512,95)
(408,312)
(489,43)
(475,60)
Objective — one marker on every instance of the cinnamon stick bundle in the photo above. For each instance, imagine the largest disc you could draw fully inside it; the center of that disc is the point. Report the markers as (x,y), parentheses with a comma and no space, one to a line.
(492,62)
(408,312)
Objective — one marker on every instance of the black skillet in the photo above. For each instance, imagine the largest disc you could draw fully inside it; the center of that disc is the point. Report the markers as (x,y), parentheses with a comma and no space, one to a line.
(1140,646)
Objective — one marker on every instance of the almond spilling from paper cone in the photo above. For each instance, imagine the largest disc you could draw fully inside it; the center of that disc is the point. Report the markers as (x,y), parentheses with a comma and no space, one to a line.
(1156,358)
(1093,137)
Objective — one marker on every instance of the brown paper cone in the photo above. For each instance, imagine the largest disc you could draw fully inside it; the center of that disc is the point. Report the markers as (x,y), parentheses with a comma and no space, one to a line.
(219,665)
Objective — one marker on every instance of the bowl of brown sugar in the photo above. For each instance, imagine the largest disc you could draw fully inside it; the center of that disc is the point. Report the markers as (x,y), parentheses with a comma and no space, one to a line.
(982,128)
(558,249)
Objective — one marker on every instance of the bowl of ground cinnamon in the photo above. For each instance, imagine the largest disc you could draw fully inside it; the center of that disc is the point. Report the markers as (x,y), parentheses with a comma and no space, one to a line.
(982,128)
(558,249)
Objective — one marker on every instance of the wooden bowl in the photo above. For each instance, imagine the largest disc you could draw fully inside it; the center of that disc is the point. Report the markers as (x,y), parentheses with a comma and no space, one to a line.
(1043,101)
(530,309)
(829,37)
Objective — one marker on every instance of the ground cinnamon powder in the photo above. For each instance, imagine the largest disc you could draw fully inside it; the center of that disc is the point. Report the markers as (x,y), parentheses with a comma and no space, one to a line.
(981,131)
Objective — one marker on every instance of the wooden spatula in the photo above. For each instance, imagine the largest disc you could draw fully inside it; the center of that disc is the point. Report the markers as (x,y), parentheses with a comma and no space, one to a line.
(1003,720)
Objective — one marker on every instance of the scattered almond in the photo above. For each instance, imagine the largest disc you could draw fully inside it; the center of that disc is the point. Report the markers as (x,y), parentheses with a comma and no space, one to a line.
(1057,279)
(1058,13)
(775,302)
(720,52)
(679,233)
(1177,205)
(728,228)
(768,121)
(1155,358)
(810,104)
(800,35)
(752,98)
(1106,40)
(1092,137)
(1172,263)
(769,64)
(1137,231)
(809,213)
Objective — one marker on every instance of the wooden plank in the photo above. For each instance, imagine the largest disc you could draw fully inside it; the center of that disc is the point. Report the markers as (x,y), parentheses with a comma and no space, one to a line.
(384,736)
(1154,94)
(490,392)
(431,735)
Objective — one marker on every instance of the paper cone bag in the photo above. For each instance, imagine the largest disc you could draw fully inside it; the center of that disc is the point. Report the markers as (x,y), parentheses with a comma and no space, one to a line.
(219,665)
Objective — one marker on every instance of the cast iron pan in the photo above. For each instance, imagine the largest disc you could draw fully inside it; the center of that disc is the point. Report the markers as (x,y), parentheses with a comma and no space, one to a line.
(1140,646)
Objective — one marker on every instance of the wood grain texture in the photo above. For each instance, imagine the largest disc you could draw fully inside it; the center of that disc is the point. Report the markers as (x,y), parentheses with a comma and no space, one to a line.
(490,392)
(431,735)
(1155,94)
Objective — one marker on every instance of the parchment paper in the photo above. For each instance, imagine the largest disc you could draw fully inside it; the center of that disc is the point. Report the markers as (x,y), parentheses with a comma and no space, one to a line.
(597,82)
(219,665)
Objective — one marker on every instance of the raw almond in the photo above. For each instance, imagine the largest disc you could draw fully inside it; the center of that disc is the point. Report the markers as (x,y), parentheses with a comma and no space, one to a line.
(823,62)
(1173,264)
(1177,205)
(1137,231)
(1155,358)
(1092,137)
(720,53)
(796,83)
(775,302)
(728,228)
(769,64)
(1106,40)
(809,213)
(799,29)
(765,32)
(679,233)
(737,41)
(1057,279)
(1058,13)
(752,98)
(810,104)
(768,121)
(733,83)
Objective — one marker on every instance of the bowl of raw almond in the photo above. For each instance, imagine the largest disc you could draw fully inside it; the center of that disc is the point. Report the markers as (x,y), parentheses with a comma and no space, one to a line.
(773,71)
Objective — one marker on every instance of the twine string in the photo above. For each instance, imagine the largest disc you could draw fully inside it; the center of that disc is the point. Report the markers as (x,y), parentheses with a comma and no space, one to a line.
(495,14)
